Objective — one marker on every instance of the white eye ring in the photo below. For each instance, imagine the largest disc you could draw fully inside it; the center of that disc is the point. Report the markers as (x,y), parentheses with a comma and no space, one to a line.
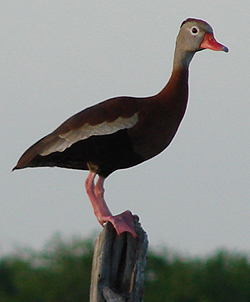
(194,30)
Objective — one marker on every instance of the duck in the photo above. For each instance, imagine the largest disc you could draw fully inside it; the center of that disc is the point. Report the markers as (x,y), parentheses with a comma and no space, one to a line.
(123,131)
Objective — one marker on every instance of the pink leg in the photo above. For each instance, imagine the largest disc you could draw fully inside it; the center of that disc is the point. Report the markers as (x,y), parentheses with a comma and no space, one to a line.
(100,209)
(123,222)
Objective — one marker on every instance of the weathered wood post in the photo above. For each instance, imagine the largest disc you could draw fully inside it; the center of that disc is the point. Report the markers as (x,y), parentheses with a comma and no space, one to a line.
(118,266)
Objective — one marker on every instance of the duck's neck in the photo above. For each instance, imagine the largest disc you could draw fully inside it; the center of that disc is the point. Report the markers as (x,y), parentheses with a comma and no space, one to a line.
(182,58)
(177,86)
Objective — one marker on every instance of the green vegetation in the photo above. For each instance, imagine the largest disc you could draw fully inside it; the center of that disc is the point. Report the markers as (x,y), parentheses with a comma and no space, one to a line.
(61,273)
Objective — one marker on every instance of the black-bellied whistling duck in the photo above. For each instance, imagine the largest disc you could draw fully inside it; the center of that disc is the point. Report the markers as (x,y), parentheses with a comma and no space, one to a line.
(124,131)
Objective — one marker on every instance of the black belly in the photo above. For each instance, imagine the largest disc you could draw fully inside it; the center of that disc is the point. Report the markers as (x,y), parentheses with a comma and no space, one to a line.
(102,153)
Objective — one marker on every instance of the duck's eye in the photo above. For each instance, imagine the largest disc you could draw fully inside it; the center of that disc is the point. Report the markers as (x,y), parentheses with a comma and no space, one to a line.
(194,30)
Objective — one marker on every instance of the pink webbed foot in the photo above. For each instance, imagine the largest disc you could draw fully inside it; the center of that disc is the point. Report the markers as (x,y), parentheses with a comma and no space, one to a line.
(123,222)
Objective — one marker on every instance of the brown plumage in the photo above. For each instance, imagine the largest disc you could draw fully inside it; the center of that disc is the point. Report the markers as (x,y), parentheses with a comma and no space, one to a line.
(124,131)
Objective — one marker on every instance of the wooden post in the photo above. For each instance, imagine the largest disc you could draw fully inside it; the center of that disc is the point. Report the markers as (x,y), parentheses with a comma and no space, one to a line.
(118,266)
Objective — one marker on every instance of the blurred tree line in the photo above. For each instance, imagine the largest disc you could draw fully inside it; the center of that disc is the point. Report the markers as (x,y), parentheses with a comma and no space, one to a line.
(61,273)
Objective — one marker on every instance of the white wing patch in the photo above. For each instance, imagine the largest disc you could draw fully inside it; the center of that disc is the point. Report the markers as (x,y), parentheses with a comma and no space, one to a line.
(65,140)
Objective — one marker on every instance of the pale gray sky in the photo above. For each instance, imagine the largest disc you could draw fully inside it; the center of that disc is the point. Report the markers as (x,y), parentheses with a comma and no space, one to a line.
(58,57)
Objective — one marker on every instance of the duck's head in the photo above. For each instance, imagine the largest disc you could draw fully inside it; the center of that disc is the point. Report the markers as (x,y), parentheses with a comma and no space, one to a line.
(196,35)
